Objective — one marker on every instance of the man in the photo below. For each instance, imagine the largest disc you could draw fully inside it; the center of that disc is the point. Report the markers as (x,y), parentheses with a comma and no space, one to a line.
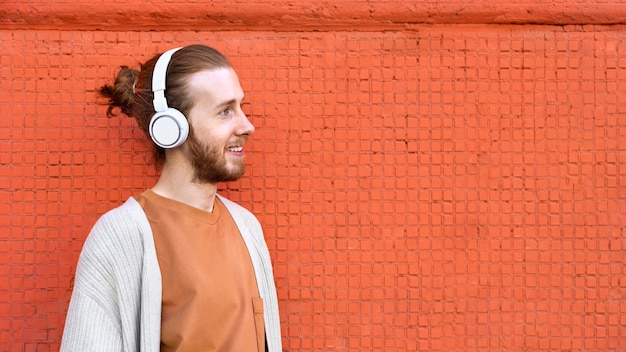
(178,267)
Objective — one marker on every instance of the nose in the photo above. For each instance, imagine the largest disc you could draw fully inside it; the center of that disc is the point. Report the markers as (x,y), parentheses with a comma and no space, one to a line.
(245,126)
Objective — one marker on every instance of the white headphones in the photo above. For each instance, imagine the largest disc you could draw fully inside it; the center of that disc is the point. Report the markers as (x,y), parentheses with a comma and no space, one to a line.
(168,127)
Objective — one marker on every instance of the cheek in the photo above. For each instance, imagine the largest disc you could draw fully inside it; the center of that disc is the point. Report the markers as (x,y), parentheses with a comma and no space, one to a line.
(213,131)
(212,143)
(219,133)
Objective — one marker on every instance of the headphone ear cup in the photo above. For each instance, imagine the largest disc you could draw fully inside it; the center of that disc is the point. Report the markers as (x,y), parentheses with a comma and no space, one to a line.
(169,128)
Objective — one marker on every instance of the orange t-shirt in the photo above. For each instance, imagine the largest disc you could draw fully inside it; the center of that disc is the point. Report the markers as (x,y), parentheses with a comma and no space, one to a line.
(210,295)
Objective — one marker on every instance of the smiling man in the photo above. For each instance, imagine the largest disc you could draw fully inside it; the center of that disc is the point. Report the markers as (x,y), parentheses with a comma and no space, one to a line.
(178,267)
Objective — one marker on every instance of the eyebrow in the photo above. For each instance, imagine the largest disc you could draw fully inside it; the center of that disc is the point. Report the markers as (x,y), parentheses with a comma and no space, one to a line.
(230,102)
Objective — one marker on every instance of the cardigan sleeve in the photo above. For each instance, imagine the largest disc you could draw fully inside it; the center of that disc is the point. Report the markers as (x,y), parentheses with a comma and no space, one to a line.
(105,308)
(89,327)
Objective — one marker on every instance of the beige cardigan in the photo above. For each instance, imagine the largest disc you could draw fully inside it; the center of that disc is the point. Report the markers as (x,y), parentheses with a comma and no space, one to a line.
(116,302)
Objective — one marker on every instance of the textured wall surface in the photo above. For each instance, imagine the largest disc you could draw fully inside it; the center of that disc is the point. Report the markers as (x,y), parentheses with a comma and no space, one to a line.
(449,186)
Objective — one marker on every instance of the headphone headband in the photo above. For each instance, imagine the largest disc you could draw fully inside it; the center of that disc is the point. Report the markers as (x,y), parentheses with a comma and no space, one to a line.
(158,80)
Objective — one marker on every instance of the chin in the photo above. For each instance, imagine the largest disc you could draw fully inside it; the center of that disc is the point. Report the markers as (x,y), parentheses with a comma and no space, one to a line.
(234,174)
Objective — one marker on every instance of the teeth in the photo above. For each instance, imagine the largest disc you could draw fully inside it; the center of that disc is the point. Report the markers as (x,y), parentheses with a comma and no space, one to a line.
(235,149)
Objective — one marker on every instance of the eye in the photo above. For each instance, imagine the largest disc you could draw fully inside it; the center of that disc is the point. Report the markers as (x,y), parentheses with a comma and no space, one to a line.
(226,111)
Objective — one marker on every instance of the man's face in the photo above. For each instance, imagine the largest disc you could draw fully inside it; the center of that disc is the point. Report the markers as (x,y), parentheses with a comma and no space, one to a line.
(218,126)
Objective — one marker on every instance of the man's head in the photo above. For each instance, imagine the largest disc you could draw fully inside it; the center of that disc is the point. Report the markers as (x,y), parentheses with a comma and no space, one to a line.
(199,80)
(183,64)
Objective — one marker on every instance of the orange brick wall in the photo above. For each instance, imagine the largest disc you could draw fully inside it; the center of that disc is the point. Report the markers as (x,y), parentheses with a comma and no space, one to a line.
(444,186)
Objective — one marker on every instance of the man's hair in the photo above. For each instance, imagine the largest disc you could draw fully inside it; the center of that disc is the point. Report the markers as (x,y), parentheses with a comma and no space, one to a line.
(131,93)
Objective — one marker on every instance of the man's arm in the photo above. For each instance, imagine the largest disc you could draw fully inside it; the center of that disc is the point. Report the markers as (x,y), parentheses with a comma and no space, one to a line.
(89,327)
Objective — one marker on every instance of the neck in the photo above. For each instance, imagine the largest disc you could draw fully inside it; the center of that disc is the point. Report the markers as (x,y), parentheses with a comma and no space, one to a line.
(176,182)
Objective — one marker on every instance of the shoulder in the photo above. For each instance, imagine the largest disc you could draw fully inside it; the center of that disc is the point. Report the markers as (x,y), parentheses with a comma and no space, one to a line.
(112,254)
(128,214)
(118,231)
(234,207)
(241,214)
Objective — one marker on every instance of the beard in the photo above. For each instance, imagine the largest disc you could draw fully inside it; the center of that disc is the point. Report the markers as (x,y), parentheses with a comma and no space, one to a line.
(209,163)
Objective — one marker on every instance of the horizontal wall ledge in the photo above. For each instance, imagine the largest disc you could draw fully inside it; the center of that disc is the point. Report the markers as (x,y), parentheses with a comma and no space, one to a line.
(296,16)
